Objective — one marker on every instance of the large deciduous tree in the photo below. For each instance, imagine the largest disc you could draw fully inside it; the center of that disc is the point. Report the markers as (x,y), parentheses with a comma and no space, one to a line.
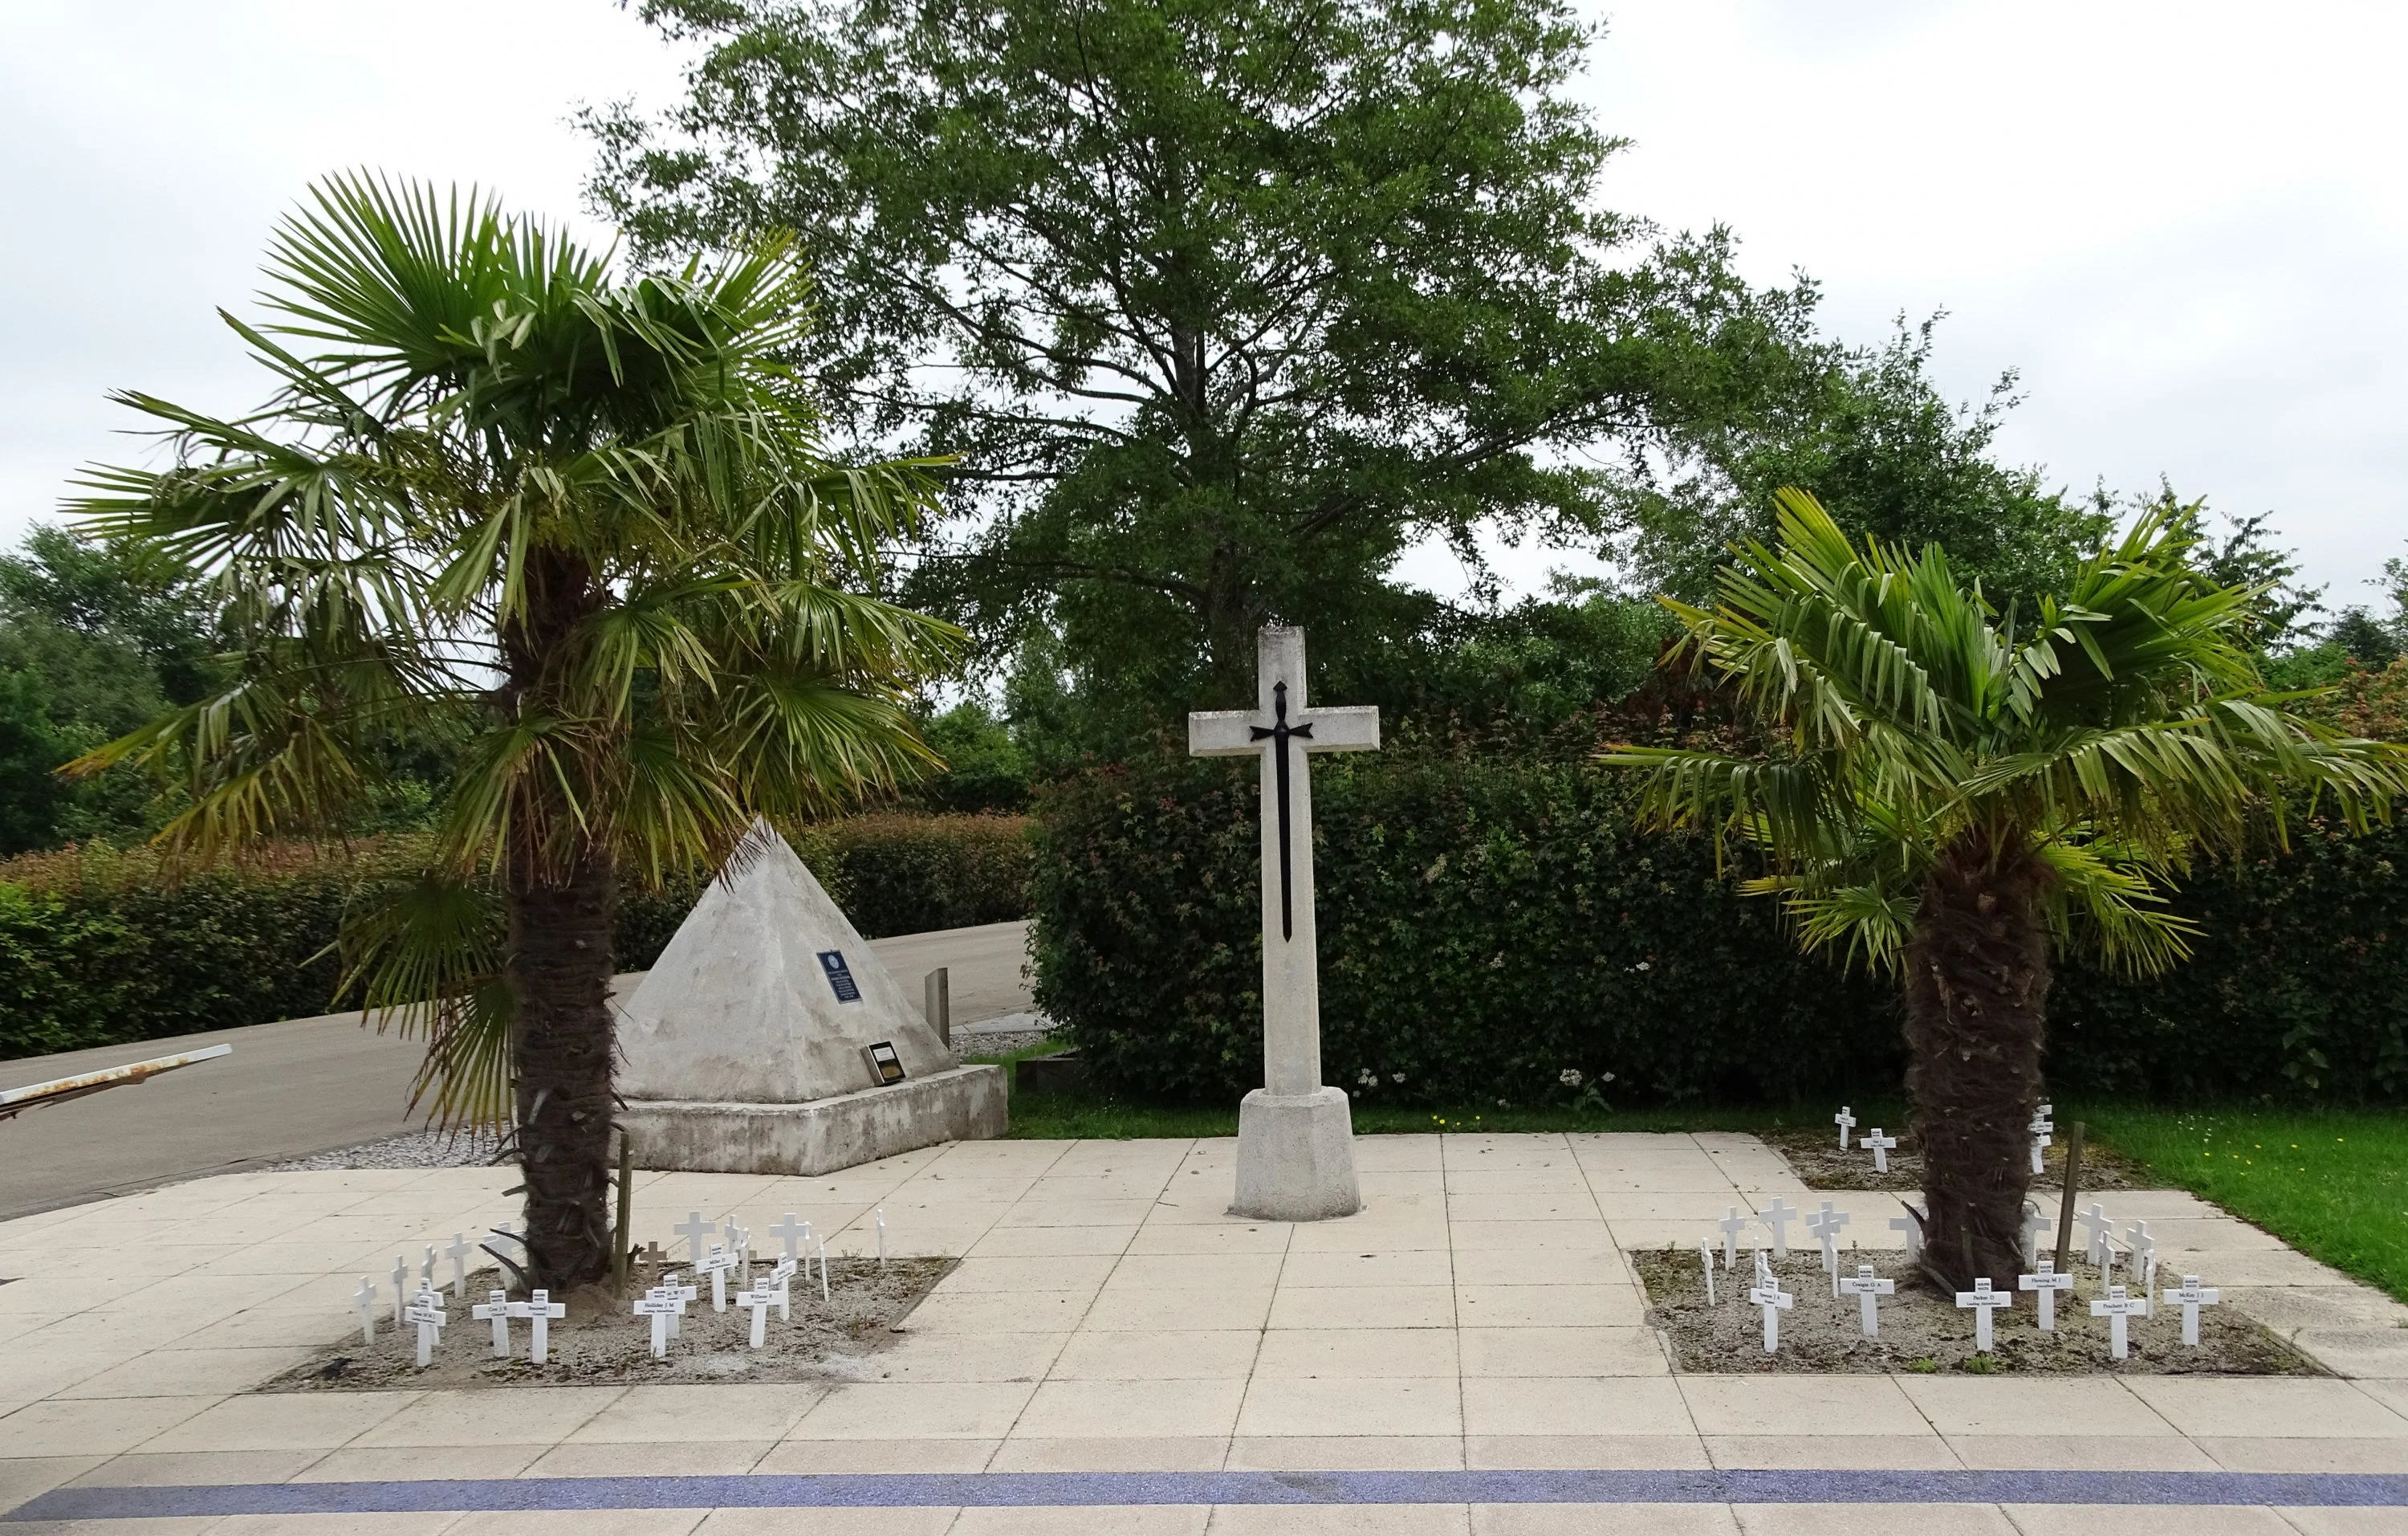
(584,529)
(1952,794)
(1223,305)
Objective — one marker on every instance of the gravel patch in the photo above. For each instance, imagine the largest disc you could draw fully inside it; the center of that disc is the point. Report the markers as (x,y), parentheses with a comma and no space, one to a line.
(1814,1155)
(1924,1334)
(602,1342)
(411,1149)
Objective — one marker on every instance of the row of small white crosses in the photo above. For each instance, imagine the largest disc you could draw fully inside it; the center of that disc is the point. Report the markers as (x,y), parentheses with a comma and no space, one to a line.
(2040,1126)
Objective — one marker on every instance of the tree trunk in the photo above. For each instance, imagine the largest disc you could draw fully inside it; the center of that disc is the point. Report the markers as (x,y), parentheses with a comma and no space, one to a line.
(1976,996)
(564,1049)
(563,1054)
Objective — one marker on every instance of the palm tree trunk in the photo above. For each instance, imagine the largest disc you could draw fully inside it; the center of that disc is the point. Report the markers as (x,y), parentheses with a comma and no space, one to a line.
(563,1054)
(564,1048)
(1976,997)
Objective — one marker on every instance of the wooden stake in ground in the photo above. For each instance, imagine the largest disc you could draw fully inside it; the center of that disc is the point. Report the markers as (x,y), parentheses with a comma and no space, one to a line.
(2065,1201)
(626,1208)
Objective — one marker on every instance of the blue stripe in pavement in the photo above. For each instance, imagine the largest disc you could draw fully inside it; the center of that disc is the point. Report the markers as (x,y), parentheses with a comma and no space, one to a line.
(908,1490)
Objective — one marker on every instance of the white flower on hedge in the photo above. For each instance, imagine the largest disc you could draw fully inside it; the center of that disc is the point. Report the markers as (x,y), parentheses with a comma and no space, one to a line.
(1399,1076)
(1368,1078)
(1646,965)
(1570,1077)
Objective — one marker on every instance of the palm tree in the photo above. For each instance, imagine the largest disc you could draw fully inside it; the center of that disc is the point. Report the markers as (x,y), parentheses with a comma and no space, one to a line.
(582,531)
(1951,800)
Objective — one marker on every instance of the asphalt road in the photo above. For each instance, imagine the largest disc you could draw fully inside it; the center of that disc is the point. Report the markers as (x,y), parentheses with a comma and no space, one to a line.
(308,1085)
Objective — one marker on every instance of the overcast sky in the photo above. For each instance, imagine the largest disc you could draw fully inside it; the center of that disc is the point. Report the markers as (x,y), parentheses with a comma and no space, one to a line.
(2184,224)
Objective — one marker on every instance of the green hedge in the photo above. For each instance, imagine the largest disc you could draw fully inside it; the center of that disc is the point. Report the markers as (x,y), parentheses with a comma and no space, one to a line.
(96,948)
(1489,920)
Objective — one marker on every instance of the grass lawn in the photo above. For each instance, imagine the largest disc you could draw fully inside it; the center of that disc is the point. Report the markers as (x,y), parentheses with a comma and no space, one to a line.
(2333,1184)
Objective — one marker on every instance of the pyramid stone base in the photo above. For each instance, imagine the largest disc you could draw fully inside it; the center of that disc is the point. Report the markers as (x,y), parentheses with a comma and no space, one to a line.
(962,1104)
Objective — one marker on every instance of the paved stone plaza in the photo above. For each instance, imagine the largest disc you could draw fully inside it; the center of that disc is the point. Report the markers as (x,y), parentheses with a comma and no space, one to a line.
(1109,1319)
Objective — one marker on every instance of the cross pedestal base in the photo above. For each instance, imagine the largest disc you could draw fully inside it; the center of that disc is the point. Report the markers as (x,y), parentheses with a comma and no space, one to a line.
(1295,1157)
(960,1104)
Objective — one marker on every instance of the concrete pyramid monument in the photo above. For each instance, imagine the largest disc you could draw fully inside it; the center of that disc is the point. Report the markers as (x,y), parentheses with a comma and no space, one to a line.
(769,1039)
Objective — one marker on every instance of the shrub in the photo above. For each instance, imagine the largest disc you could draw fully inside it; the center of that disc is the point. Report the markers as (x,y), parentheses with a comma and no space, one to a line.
(1489,921)
(97,947)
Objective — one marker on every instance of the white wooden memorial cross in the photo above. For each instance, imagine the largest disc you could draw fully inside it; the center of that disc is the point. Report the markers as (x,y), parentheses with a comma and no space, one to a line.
(790,1232)
(881,1237)
(716,1264)
(2149,1284)
(1882,1146)
(1732,1225)
(428,1313)
(1846,1122)
(1825,1225)
(2034,1225)
(2116,1307)
(2190,1297)
(459,1250)
(400,1286)
(540,1309)
(1706,1257)
(780,1278)
(824,1283)
(2096,1223)
(2047,1283)
(697,1233)
(1768,1294)
(662,1305)
(426,1270)
(2144,1254)
(1778,1215)
(495,1308)
(1281,731)
(1983,1302)
(682,1294)
(365,1297)
(760,1299)
(1864,1285)
(1910,1223)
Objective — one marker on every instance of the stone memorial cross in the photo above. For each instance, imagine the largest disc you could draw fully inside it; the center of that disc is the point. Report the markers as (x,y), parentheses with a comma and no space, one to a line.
(2115,1307)
(1768,1294)
(2047,1283)
(495,1308)
(459,1250)
(697,1233)
(1846,1122)
(540,1309)
(1732,1225)
(365,1298)
(1865,1286)
(1296,1151)
(1778,1215)
(2190,1297)
(1882,1146)
(428,1313)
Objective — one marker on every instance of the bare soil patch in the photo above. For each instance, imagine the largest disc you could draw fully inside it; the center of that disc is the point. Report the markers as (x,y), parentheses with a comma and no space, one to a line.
(1923,1333)
(602,1342)
(1815,1158)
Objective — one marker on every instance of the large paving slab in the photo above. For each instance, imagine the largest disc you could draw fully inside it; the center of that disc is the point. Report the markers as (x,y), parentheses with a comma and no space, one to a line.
(1117,1354)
